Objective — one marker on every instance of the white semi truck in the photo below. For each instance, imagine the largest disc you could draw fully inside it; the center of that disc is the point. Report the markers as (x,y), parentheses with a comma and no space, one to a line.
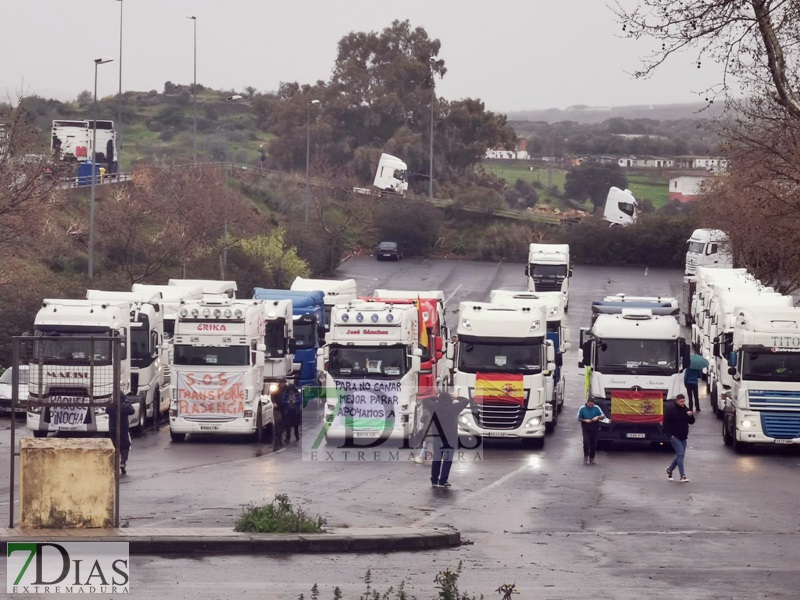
(67,368)
(391,178)
(620,208)
(557,335)
(549,269)
(706,280)
(218,370)
(371,366)
(708,248)
(500,359)
(635,361)
(145,348)
(71,141)
(718,338)
(212,288)
(763,404)
(337,291)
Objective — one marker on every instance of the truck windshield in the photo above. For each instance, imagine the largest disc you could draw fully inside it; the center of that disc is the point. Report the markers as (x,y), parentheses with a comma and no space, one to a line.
(221,356)
(696,247)
(368,361)
(274,339)
(637,357)
(169,328)
(141,355)
(63,346)
(305,334)
(500,357)
(548,270)
(771,366)
(9,373)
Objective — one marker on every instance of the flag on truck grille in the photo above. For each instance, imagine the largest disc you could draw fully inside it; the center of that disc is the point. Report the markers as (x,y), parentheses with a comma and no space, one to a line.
(499,387)
(637,406)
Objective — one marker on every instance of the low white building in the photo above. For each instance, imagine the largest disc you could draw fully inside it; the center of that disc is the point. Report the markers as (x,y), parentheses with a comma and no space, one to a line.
(645,162)
(709,163)
(518,153)
(686,188)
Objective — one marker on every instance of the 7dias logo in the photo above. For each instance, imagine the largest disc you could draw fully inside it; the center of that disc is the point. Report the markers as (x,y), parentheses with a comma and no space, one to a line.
(68,568)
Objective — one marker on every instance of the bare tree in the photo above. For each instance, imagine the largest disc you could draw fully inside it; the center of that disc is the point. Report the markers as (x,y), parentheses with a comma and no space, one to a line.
(754,40)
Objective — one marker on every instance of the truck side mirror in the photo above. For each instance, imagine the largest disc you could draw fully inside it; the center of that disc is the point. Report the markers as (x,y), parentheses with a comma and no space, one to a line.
(586,359)
(292,345)
(731,370)
(450,364)
(261,348)
(321,331)
(415,363)
(559,360)
(259,358)
(686,353)
(450,351)
(437,344)
(551,352)
(569,273)
(584,336)
(551,366)
(716,350)
(732,360)
(417,352)
(527,270)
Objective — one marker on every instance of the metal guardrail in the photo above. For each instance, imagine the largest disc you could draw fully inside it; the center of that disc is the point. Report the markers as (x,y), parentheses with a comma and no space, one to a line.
(81,182)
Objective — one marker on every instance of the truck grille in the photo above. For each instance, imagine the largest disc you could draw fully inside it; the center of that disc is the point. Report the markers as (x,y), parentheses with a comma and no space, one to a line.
(547,285)
(491,415)
(774,400)
(781,425)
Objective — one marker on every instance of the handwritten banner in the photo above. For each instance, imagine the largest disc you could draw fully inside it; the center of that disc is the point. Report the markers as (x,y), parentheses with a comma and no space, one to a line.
(210,394)
(366,404)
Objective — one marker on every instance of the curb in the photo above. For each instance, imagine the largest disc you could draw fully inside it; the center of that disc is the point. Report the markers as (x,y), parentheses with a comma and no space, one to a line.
(157,541)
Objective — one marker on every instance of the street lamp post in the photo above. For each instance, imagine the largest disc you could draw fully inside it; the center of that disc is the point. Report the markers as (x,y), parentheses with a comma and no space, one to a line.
(119,94)
(97,62)
(194,89)
(228,101)
(430,152)
(308,153)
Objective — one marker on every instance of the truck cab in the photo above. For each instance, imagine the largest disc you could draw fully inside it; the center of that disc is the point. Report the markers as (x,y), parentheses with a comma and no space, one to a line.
(391,175)
(308,319)
(68,367)
(218,370)
(557,335)
(146,336)
(372,361)
(708,248)
(500,357)
(634,361)
(621,207)
(337,291)
(763,404)
(549,269)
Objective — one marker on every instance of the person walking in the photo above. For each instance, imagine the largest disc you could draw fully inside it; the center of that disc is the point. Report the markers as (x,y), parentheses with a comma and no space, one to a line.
(291,412)
(425,418)
(125,410)
(444,426)
(677,419)
(589,416)
(691,379)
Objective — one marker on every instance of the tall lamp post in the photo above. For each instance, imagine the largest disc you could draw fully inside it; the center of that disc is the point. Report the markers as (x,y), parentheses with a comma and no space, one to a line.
(228,101)
(119,94)
(97,62)
(194,102)
(308,153)
(430,152)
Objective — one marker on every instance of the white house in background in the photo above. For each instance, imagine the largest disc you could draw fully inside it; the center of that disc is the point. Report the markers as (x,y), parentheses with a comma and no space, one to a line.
(709,163)
(519,153)
(645,162)
(686,188)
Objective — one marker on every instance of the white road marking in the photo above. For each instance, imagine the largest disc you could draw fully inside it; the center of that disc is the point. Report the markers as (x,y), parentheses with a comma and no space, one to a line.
(450,297)
(472,495)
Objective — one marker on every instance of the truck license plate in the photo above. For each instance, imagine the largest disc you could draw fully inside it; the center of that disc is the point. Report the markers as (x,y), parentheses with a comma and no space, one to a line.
(498,434)
(638,436)
(68,417)
(366,433)
(784,441)
(209,427)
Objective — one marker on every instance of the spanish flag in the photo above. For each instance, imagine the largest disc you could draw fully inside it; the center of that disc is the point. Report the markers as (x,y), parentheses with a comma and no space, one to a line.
(499,387)
(642,406)
(423,328)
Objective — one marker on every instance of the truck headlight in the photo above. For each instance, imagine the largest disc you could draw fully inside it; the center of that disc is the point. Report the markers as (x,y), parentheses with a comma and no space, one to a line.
(748,424)
(534,422)
(273,387)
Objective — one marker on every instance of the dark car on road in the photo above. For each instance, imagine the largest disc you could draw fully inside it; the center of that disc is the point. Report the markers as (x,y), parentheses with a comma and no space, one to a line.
(388,250)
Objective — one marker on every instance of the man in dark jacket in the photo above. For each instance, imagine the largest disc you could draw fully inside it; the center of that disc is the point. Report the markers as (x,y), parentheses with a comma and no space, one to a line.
(444,430)
(291,405)
(126,409)
(677,419)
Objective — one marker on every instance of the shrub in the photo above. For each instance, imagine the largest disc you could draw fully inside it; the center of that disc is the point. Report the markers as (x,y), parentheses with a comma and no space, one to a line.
(279,516)
(413,224)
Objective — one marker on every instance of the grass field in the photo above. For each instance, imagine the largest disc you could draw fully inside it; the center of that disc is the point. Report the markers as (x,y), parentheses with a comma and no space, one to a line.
(650,187)
(511,172)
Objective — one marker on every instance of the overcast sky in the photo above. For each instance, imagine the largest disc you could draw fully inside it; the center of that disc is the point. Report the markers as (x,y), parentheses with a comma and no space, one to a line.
(513,54)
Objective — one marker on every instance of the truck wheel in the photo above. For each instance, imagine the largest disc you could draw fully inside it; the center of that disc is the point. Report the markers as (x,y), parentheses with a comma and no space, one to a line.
(726,434)
(177,437)
(139,429)
(156,409)
(269,434)
(39,434)
(738,447)
(714,399)
(259,432)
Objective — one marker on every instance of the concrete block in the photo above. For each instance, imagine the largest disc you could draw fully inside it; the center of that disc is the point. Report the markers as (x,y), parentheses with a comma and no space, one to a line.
(66,483)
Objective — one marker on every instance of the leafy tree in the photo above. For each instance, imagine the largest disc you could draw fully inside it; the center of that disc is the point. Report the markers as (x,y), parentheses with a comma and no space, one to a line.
(591,181)
(414,225)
